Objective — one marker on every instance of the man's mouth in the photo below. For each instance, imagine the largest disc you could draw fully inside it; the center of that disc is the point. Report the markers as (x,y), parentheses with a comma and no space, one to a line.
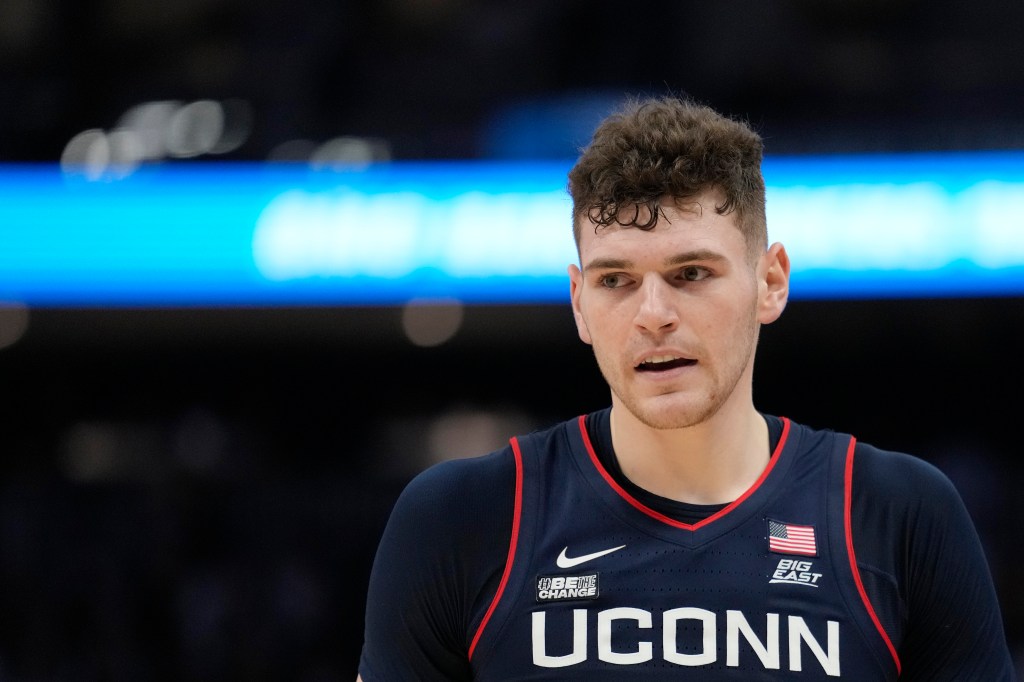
(661,363)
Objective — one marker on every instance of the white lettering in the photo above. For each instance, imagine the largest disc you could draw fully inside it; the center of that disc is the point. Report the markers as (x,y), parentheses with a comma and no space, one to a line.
(644,649)
(796,572)
(576,593)
(670,622)
(579,641)
(798,631)
(767,651)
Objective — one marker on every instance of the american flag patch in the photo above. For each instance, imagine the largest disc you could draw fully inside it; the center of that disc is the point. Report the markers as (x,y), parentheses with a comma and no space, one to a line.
(789,538)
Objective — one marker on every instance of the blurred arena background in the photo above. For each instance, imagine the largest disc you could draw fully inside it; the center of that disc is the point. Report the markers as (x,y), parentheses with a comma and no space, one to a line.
(196,492)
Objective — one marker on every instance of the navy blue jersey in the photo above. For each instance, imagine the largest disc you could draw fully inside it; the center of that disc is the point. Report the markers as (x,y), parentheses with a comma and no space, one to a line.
(806,576)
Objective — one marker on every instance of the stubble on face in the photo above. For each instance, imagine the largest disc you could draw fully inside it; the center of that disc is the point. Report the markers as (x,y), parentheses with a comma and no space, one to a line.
(720,375)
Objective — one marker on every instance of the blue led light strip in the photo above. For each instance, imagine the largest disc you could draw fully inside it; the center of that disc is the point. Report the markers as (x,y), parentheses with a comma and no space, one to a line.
(275,234)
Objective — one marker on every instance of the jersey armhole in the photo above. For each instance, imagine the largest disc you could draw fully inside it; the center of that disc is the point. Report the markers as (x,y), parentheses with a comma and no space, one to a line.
(513,542)
(848,529)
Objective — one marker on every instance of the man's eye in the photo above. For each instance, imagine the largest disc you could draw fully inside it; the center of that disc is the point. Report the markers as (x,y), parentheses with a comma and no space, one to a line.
(612,281)
(694,273)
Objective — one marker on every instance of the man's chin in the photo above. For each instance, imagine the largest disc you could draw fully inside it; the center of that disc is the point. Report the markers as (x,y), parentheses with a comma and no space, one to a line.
(674,411)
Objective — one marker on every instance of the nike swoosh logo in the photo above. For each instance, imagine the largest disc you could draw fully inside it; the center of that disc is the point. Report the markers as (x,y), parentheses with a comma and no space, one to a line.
(564,561)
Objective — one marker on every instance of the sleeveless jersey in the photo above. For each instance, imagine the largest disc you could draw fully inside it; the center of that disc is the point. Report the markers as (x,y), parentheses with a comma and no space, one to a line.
(598,586)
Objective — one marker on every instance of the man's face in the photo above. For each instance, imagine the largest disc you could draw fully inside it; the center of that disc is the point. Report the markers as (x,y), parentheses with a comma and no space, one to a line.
(673,313)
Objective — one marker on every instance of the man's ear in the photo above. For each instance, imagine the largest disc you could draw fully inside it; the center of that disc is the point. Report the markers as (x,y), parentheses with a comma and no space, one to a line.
(575,291)
(773,283)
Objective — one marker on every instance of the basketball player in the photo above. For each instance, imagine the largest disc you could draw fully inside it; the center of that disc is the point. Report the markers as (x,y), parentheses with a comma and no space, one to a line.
(680,534)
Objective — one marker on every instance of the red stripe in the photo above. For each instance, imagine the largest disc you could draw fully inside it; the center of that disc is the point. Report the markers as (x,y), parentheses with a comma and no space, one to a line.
(665,519)
(792,549)
(793,543)
(848,492)
(516,515)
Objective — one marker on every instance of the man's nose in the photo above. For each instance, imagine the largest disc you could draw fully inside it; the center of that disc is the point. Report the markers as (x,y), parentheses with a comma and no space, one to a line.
(657,310)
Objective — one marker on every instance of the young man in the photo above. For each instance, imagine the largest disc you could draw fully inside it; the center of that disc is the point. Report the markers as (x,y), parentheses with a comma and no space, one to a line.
(680,533)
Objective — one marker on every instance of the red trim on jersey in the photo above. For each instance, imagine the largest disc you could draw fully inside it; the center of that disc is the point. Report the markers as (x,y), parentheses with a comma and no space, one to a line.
(516,515)
(665,519)
(848,493)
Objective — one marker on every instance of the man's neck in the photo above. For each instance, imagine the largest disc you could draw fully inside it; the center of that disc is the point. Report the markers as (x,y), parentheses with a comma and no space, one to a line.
(713,462)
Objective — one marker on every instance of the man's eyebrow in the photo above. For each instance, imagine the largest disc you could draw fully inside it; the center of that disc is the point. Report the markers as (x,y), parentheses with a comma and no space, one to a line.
(608,264)
(696,255)
(675,259)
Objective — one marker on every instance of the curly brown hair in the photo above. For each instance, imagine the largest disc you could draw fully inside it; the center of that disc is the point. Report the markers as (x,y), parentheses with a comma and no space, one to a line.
(668,146)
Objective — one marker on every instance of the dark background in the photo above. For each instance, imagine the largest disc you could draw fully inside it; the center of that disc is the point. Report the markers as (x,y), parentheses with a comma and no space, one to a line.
(196,494)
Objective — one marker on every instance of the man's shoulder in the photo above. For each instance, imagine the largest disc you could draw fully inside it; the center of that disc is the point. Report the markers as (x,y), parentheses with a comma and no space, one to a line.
(889,471)
(904,484)
(455,503)
(894,471)
(453,479)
